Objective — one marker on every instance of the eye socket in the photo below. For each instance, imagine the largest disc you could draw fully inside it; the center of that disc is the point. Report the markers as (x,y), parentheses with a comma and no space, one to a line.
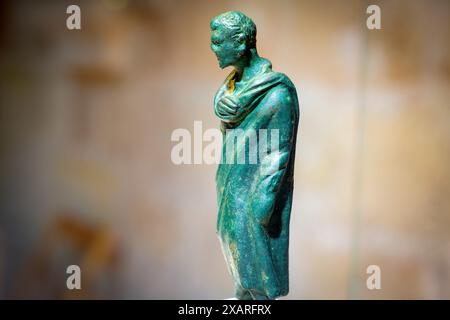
(216,42)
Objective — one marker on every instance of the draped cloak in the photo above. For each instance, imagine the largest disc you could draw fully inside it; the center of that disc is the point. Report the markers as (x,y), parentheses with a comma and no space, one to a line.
(254,199)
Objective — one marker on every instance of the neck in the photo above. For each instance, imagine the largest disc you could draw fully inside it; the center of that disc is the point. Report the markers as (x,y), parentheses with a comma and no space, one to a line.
(248,67)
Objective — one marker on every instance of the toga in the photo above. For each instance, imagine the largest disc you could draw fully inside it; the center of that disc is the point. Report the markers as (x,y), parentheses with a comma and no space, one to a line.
(254,199)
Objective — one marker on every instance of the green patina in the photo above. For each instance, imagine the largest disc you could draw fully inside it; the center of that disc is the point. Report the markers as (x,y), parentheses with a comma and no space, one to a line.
(254,199)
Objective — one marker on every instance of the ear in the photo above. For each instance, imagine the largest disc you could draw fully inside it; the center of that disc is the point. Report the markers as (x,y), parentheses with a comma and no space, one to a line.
(242,48)
(240,38)
(240,42)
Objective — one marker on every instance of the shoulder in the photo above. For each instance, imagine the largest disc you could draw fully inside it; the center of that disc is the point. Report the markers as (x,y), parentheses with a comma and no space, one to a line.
(281,100)
(281,83)
(286,83)
(283,92)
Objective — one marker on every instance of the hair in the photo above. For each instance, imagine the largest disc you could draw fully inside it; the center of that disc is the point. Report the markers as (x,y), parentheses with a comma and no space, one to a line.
(239,24)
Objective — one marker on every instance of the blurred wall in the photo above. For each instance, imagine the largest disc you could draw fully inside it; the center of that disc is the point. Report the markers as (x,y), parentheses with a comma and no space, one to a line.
(86,119)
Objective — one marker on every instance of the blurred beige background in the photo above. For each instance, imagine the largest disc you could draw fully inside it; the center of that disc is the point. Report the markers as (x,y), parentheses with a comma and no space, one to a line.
(86,176)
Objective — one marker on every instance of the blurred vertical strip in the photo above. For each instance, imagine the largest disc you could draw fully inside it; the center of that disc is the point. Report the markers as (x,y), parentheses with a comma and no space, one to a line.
(358,174)
(4,20)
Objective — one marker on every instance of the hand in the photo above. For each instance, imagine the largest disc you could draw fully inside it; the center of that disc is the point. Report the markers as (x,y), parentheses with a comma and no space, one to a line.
(227,107)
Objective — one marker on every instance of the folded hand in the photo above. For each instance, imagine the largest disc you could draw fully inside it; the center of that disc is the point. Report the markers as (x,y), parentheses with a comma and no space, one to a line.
(227,107)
